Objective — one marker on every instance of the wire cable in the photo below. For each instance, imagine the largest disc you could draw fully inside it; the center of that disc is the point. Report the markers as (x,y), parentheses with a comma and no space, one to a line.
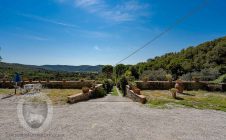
(177,22)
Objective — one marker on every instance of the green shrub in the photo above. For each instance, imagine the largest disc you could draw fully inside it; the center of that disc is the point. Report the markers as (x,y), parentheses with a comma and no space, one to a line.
(169,77)
(130,78)
(98,92)
(123,82)
(221,79)
(118,85)
(222,69)
(108,85)
(132,84)
(203,75)
(154,75)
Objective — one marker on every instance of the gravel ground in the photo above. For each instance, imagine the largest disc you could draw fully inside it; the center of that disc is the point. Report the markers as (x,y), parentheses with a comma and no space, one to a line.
(117,118)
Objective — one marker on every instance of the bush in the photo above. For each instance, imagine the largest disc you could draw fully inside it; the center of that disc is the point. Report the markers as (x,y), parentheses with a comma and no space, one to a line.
(169,77)
(130,78)
(132,85)
(222,69)
(203,75)
(118,85)
(221,79)
(123,82)
(154,75)
(186,77)
(108,85)
(98,92)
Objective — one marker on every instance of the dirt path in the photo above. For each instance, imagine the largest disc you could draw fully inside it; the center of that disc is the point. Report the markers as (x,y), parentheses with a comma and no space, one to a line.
(117,118)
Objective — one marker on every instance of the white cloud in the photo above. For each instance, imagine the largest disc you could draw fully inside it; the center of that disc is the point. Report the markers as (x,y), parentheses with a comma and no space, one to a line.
(48,20)
(126,11)
(133,6)
(85,3)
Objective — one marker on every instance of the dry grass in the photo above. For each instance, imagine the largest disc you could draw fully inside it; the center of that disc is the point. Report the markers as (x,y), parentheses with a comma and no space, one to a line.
(59,96)
(6,91)
(194,99)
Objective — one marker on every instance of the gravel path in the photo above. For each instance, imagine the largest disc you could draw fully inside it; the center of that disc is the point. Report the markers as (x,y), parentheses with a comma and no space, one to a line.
(117,118)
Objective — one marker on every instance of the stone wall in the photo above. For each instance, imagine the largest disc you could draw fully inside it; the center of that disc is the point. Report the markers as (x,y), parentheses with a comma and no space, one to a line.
(217,87)
(165,85)
(52,84)
(135,97)
(78,97)
(81,96)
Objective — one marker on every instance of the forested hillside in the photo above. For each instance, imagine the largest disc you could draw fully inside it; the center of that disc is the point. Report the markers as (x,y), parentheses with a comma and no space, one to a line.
(207,59)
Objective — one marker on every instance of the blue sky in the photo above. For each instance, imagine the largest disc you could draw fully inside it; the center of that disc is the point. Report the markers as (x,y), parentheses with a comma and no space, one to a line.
(78,32)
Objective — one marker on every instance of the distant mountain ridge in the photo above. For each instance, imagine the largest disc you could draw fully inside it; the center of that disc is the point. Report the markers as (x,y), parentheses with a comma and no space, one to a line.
(59,68)
(68,68)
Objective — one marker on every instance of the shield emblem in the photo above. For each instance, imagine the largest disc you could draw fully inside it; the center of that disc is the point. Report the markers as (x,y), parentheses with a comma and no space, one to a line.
(35,115)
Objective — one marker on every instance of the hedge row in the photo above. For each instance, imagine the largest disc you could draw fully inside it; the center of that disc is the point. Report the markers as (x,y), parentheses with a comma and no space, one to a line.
(165,85)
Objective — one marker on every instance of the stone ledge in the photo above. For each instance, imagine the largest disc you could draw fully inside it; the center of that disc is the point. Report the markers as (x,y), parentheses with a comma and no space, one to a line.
(81,96)
(135,97)
(78,97)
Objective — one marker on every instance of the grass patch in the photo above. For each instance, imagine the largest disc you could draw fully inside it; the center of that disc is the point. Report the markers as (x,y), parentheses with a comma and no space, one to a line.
(193,99)
(59,96)
(114,93)
(7,91)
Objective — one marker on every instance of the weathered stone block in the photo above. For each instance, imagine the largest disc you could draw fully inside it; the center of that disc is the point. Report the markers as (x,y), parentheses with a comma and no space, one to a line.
(77,97)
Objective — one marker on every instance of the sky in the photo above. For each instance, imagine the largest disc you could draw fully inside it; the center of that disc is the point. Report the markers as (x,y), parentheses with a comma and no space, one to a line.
(92,32)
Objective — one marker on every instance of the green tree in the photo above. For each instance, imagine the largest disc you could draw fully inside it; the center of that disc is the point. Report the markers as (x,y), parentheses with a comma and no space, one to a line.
(134,72)
(120,69)
(108,71)
(176,68)
(108,85)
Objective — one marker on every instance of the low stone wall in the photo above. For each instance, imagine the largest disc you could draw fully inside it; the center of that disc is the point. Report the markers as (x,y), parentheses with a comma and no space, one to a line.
(52,84)
(135,97)
(195,85)
(78,97)
(217,87)
(223,87)
(81,96)
(188,85)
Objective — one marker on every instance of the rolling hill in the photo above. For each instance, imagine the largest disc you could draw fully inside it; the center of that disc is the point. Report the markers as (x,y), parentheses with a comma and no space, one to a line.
(66,68)
(206,60)
(56,68)
(52,72)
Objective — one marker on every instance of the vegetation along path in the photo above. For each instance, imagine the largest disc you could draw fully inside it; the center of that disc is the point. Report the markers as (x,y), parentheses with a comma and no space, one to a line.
(115,117)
